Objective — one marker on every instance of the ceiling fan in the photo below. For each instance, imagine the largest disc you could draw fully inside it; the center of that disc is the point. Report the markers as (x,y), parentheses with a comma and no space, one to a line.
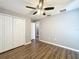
(40,8)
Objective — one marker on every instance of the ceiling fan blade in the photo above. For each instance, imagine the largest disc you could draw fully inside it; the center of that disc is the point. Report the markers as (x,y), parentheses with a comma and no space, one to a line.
(49,8)
(34,12)
(30,7)
(44,13)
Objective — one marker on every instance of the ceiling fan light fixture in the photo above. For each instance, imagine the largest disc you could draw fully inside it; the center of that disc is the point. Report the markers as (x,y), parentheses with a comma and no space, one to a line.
(39,9)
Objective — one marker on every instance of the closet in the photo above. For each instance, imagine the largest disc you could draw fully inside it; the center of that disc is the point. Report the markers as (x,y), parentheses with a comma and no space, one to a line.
(12,32)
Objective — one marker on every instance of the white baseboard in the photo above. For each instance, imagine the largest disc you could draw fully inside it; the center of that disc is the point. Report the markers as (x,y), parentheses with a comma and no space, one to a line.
(27,43)
(60,46)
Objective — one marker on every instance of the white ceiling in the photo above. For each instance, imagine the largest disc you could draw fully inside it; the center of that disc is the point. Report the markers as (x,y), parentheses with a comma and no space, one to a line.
(19,5)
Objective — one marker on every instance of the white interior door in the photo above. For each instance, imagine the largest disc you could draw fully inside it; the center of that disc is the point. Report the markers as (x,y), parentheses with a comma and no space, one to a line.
(1,39)
(8,41)
(19,32)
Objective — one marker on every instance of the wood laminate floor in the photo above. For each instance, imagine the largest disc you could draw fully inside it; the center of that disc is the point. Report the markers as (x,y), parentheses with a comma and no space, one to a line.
(39,50)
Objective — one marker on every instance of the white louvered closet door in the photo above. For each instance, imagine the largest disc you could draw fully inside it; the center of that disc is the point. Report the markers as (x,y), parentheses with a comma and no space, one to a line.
(19,32)
(8,41)
(1,39)
(12,32)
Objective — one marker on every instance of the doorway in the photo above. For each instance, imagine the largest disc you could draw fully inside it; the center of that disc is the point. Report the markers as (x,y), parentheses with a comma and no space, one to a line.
(35,30)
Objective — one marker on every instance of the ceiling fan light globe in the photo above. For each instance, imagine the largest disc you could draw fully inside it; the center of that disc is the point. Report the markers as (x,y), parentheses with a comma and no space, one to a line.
(38,11)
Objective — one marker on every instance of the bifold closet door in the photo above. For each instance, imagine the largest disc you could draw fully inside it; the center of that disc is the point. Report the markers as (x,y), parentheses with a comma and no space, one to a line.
(12,32)
(8,41)
(5,33)
(1,39)
(19,32)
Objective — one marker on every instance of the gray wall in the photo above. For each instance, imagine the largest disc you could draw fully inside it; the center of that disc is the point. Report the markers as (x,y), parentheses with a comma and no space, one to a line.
(62,29)
(28,30)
